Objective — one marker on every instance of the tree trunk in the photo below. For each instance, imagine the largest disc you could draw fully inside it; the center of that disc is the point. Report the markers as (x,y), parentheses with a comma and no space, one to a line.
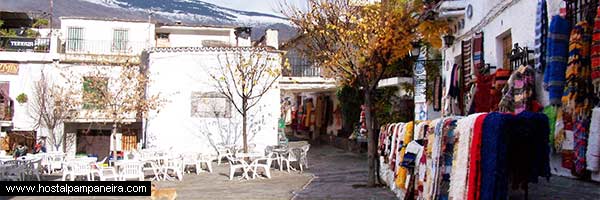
(372,149)
(245,124)
(113,137)
(64,141)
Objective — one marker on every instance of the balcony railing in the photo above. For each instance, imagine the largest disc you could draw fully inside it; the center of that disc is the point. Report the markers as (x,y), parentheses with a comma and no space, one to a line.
(25,44)
(303,71)
(301,67)
(102,47)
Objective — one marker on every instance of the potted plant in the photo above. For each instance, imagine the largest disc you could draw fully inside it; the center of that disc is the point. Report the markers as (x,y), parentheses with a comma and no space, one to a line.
(22,98)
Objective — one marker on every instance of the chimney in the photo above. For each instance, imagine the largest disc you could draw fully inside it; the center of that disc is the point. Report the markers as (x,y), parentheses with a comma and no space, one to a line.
(271,38)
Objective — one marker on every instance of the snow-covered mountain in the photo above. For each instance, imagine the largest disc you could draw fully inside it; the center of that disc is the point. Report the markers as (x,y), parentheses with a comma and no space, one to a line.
(192,12)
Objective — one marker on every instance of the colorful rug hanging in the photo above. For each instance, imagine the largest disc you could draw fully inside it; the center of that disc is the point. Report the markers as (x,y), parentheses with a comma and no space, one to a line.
(541,34)
(558,50)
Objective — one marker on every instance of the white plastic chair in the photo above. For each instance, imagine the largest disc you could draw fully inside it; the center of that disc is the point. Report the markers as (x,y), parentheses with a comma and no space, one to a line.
(12,171)
(131,170)
(33,167)
(102,171)
(236,163)
(207,160)
(56,161)
(293,155)
(304,156)
(264,163)
(222,152)
(174,165)
(77,168)
(191,159)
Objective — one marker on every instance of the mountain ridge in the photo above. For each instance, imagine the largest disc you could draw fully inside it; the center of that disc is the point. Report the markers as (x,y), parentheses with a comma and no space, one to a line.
(188,12)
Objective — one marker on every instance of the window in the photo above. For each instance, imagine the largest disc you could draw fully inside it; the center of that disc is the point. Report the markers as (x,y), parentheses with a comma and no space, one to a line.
(75,39)
(162,36)
(209,105)
(506,48)
(120,38)
(94,90)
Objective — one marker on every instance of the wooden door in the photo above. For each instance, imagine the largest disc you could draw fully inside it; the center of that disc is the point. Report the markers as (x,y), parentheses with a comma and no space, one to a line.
(506,49)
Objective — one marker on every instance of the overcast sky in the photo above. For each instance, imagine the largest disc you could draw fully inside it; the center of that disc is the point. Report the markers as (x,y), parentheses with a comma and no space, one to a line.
(264,6)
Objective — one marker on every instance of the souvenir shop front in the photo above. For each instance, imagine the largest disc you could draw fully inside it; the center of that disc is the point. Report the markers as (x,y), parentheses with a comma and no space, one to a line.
(313,115)
(536,116)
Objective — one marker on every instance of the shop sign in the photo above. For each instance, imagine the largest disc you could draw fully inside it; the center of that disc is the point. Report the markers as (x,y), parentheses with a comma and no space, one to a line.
(9,68)
(21,43)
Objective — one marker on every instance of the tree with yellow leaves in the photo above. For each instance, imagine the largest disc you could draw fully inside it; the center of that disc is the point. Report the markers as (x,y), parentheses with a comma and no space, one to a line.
(357,44)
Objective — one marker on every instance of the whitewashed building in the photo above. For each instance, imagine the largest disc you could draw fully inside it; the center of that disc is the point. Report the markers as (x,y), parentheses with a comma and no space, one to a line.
(197,117)
(177,70)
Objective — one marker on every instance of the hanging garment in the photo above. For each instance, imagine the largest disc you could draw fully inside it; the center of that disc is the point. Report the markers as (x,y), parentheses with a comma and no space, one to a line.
(580,134)
(381,141)
(329,111)
(558,50)
(527,151)
(595,54)
(437,94)
(319,112)
(399,146)
(394,148)
(420,130)
(482,98)
(407,137)
(288,116)
(363,120)
(432,154)
(550,112)
(446,158)
(460,165)
(494,183)
(500,79)
(478,61)
(474,175)
(541,34)
(466,73)
(309,113)
(518,93)
(421,166)
(337,118)
(454,91)
(593,146)
(559,131)
(577,94)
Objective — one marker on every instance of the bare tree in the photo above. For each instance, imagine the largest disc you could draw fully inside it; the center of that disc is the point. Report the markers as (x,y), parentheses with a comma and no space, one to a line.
(118,99)
(243,78)
(49,107)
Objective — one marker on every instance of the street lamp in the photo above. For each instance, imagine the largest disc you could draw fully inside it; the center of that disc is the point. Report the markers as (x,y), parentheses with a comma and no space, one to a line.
(448,40)
(416,49)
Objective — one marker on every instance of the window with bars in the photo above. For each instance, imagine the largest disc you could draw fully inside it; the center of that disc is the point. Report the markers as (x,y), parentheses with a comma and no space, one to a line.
(120,38)
(75,39)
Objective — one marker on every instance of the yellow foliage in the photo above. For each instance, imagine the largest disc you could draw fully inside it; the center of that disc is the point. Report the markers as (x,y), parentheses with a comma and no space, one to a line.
(355,44)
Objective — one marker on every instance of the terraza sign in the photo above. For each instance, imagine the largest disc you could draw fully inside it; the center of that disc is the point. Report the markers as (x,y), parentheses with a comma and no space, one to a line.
(21,43)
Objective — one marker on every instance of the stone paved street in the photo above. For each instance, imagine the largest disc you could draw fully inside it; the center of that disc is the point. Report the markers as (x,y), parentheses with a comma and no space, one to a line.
(337,175)
(332,174)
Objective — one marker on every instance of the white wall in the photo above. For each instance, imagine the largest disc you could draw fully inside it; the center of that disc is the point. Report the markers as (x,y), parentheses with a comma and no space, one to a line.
(99,33)
(518,20)
(193,36)
(175,75)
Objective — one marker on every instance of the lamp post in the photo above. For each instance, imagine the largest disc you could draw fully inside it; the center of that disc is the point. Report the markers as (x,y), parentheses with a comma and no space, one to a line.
(448,40)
